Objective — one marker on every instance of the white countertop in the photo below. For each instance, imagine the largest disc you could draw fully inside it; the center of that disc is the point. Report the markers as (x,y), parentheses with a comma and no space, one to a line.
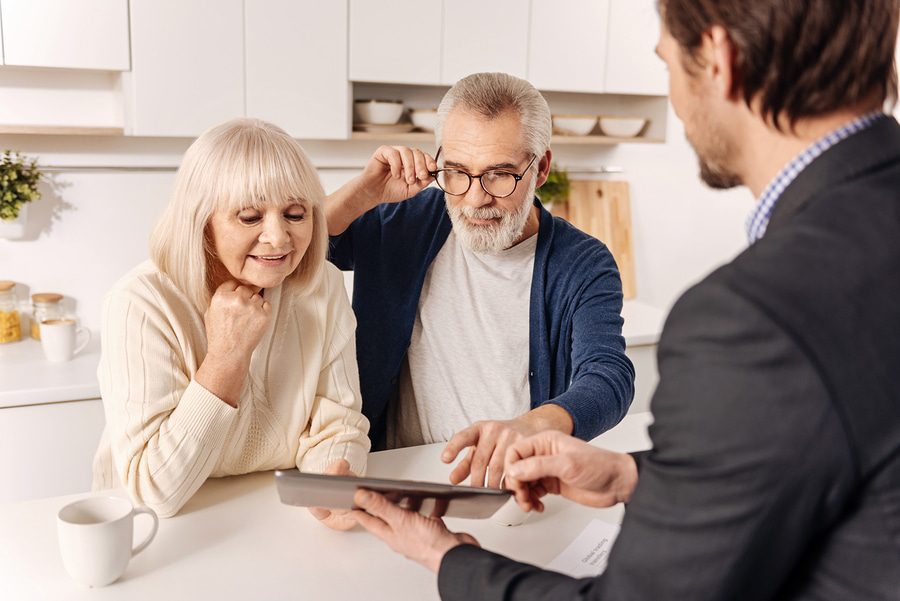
(235,540)
(26,378)
(643,323)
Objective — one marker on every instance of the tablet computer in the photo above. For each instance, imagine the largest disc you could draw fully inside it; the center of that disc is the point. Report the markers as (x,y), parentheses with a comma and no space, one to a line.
(428,498)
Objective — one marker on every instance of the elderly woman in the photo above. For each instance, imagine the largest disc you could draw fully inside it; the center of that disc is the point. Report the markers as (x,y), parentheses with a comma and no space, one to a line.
(233,349)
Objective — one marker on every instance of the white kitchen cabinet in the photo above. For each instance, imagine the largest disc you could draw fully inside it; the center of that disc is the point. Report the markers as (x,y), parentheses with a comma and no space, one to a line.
(396,41)
(632,66)
(47,450)
(568,45)
(73,34)
(598,46)
(296,61)
(187,70)
(484,36)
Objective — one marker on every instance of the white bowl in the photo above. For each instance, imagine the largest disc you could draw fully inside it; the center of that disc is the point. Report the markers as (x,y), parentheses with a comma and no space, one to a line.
(622,127)
(424,119)
(574,125)
(379,112)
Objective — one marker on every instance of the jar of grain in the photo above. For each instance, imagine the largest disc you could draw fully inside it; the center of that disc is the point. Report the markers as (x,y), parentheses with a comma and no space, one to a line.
(10,324)
(46,305)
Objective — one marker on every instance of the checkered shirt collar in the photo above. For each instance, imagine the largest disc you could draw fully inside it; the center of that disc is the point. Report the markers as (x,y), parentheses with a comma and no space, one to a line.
(758,220)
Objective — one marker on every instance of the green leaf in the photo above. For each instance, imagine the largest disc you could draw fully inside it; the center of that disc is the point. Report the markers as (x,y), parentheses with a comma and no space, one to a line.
(19,178)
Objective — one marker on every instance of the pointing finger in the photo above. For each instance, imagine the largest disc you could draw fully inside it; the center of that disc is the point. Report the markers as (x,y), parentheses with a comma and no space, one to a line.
(464,438)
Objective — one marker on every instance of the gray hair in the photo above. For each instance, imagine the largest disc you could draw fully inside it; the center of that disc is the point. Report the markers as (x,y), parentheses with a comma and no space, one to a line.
(493,94)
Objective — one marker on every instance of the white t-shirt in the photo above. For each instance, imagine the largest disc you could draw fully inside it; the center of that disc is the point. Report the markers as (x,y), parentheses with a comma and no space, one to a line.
(469,352)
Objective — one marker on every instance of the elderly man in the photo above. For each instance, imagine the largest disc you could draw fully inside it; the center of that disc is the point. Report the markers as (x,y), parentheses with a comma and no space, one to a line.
(482,318)
(775,468)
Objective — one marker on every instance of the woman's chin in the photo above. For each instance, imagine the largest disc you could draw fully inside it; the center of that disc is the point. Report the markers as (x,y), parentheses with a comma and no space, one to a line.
(265,275)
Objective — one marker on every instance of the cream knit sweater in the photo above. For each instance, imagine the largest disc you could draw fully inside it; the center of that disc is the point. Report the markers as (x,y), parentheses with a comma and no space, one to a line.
(166,434)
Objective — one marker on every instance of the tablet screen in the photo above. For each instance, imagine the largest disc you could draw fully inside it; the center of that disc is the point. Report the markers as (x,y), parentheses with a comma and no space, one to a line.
(428,498)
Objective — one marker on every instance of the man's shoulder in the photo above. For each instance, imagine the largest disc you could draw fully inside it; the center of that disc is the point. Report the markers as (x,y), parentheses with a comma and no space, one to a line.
(574,250)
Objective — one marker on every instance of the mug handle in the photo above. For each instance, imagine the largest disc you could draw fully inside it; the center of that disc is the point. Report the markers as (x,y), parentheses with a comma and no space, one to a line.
(87,339)
(152,534)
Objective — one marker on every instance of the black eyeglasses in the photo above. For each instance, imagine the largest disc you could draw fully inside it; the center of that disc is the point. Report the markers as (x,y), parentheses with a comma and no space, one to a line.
(499,183)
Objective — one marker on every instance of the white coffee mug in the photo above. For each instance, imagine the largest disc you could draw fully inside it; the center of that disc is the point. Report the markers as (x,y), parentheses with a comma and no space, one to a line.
(58,338)
(95,538)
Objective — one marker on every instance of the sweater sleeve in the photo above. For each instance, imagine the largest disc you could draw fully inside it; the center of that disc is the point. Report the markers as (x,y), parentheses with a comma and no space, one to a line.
(165,430)
(337,428)
(602,381)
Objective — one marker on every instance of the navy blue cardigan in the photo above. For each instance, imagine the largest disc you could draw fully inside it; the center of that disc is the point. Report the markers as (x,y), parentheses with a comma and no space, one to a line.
(577,353)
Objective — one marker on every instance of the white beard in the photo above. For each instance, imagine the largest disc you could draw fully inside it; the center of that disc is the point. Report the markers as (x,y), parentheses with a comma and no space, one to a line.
(495,237)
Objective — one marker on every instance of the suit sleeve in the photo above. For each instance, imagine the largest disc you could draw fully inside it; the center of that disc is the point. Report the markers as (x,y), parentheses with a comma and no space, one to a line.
(750,463)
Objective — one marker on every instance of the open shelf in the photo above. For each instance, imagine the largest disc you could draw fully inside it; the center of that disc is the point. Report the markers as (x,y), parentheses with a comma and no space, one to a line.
(419,137)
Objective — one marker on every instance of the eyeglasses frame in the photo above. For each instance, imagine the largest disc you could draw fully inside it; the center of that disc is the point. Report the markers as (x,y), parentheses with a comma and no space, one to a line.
(518,177)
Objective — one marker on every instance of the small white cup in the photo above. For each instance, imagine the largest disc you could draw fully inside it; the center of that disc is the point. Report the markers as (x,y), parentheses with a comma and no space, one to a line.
(95,538)
(58,339)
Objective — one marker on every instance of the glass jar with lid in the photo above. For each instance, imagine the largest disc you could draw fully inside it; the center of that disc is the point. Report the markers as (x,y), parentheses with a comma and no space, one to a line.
(10,324)
(46,305)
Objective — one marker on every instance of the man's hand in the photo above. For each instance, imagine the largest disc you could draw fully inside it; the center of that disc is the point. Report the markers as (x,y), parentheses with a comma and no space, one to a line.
(424,540)
(395,173)
(490,439)
(392,174)
(552,462)
(336,519)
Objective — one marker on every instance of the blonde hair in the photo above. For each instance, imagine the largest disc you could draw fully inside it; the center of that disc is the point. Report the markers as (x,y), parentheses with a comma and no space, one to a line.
(494,94)
(242,163)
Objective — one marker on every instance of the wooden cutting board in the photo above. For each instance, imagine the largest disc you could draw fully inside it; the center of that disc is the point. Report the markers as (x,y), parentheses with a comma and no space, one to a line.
(602,208)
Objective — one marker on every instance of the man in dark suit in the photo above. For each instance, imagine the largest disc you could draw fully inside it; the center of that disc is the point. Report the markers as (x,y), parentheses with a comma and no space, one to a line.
(775,467)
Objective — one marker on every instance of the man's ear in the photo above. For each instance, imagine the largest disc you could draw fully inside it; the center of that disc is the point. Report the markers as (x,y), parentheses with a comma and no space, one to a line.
(543,168)
(719,58)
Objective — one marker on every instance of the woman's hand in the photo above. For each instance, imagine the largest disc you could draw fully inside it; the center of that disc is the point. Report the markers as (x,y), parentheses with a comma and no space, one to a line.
(235,322)
(336,519)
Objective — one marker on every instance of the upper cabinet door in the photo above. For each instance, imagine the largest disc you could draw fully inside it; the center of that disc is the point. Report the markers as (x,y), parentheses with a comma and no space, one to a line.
(632,66)
(484,36)
(396,41)
(296,53)
(568,45)
(74,34)
(187,66)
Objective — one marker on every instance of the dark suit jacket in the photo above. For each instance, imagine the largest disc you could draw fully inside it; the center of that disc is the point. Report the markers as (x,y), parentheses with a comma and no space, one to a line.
(775,468)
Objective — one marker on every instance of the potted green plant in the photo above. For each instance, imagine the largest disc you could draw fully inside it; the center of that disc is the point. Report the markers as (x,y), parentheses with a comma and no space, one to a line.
(19,179)
(556,189)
